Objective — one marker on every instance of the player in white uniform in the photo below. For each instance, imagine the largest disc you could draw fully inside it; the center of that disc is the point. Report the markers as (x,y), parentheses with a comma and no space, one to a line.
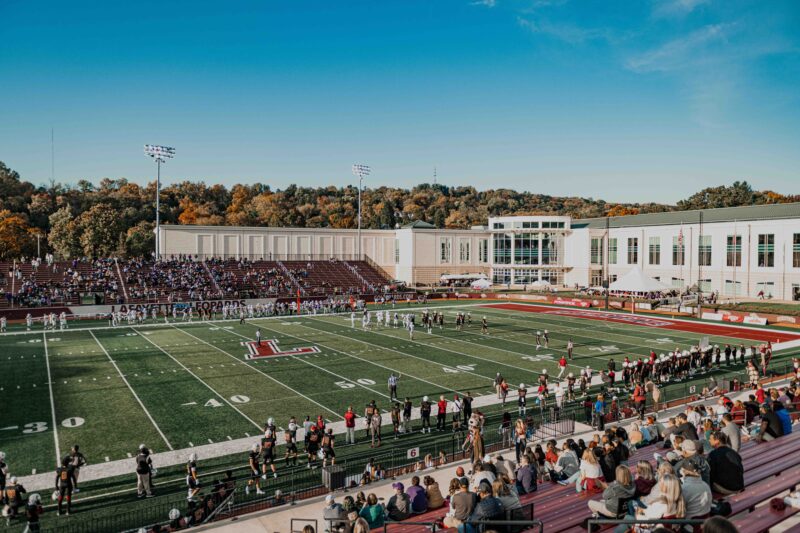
(3,324)
(411,329)
(395,320)
(62,321)
(353,320)
(28,321)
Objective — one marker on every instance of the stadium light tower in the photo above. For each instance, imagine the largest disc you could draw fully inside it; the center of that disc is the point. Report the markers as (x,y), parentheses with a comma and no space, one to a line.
(160,154)
(360,171)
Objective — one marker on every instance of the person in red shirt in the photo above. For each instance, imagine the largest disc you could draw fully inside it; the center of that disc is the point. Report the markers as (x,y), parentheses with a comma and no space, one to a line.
(350,425)
(760,394)
(321,423)
(441,424)
(562,366)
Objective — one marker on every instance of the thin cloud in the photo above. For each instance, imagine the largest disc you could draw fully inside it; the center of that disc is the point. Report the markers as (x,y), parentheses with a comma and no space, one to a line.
(484,3)
(681,52)
(673,8)
(564,32)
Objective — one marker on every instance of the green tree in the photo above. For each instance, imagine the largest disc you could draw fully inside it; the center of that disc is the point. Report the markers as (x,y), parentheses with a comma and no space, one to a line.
(63,237)
(100,229)
(140,241)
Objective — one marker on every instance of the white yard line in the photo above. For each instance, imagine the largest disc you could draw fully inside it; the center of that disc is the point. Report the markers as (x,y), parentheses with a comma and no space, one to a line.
(224,399)
(238,360)
(132,391)
(52,401)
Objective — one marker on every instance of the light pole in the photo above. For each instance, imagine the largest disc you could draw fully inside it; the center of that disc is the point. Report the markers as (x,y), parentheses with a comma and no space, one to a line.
(38,248)
(360,171)
(160,154)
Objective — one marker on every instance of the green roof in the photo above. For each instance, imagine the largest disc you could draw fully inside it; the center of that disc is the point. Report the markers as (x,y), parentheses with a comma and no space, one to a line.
(723,214)
(419,224)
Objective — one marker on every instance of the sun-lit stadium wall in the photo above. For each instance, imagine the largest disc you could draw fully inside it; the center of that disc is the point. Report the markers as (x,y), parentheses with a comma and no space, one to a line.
(416,256)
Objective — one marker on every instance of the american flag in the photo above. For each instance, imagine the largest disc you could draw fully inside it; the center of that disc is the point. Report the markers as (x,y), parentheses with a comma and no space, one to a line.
(680,236)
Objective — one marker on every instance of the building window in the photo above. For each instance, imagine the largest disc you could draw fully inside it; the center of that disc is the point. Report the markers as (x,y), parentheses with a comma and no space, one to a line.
(704,285)
(446,251)
(655,251)
(733,288)
(525,277)
(704,250)
(499,225)
(766,250)
(502,248)
(678,251)
(463,251)
(796,251)
(597,250)
(677,283)
(766,287)
(526,249)
(483,251)
(596,278)
(501,276)
(549,250)
(530,225)
(612,251)
(633,250)
(734,251)
(396,251)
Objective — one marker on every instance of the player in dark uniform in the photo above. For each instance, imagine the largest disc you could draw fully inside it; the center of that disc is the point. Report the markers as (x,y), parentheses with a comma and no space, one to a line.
(290,439)
(327,448)
(312,446)
(570,386)
(407,406)
(192,482)
(522,399)
(395,413)
(425,413)
(33,510)
(268,453)
(468,406)
(12,496)
(78,460)
(65,479)
(255,470)
(484,326)
(3,474)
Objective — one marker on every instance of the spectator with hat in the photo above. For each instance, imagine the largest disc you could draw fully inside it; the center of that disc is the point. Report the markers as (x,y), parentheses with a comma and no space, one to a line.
(399,506)
(462,504)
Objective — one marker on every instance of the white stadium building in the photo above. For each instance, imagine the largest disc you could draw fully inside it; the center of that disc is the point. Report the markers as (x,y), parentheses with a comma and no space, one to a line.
(739,251)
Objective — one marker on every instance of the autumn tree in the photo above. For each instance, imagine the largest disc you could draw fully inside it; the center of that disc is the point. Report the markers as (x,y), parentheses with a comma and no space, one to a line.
(16,236)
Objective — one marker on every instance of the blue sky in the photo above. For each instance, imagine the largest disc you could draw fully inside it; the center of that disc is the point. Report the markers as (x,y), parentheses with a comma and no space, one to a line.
(628,101)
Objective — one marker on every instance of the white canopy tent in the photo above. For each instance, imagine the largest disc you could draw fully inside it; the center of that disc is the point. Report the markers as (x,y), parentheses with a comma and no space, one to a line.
(482,283)
(636,281)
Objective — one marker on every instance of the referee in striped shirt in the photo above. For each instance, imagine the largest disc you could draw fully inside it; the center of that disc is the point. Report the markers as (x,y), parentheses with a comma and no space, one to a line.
(393,386)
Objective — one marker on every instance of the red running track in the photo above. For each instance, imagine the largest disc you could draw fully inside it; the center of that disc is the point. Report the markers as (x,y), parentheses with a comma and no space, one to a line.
(655,321)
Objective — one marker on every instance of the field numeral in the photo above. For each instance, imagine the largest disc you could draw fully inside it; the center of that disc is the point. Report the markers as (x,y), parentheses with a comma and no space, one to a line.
(365,381)
(345,385)
(35,427)
(213,403)
(537,358)
(239,398)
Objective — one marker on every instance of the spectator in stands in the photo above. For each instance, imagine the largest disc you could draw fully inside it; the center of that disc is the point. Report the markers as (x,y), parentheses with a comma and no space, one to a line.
(689,449)
(361,525)
(399,505)
(503,467)
(334,514)
(373,512)
(636,437)
(668,505)
(504,491)
(727,471)
(719,524)
(462,503)
(567,464)
(419,500)
(645,479)
(608,461)
(732,431)
(664,469)
(685,428)
(783,415)
(696,492)
(479,473)
(432,492)
(526,477)
(588,475)
(487,508)
(176,521)
(615,495)
(771,426)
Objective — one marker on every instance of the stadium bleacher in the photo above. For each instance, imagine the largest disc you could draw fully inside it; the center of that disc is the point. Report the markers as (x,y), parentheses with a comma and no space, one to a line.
(180,279)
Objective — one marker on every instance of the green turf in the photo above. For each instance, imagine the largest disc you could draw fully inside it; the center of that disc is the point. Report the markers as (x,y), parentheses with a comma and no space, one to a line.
(178,385)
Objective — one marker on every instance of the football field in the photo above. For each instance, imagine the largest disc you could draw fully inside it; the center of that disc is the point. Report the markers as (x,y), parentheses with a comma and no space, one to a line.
(180,385)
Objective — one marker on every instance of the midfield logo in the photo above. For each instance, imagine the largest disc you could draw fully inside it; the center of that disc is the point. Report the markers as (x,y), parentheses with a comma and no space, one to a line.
(269,348)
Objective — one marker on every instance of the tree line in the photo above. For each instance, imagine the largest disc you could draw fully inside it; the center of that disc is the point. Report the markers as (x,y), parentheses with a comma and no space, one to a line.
(117,217)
